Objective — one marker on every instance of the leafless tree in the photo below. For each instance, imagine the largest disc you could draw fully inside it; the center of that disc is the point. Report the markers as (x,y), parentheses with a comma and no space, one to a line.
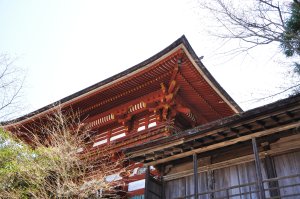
(66,168)
(11,83)
(249,24)
(252,22)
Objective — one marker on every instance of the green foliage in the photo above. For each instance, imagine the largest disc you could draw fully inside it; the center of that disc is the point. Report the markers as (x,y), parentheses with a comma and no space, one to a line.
(54,168)
(291,35)
(21,168)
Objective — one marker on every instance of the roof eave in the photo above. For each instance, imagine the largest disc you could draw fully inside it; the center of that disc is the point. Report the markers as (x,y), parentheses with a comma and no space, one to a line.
(64,102)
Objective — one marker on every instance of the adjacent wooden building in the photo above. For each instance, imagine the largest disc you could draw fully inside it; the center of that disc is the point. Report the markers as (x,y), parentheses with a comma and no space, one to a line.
(254,154)
(184,135)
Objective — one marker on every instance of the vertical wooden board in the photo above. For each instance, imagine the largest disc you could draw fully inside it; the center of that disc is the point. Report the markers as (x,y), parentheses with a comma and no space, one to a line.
(243,179)
(234,180)
(203,184)
(236,175)
(189,185)
(265,176)
(154,187)
(246,172)
(221,181)
(168,188)
(288,164)
(175,188)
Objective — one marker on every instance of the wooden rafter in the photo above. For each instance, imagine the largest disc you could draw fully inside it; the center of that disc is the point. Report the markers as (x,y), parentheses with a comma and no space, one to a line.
(127,92)
(195,116)
(198,94)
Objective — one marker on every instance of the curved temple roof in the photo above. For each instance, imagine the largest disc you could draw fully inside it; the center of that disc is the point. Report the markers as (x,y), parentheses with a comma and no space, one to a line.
(86,98)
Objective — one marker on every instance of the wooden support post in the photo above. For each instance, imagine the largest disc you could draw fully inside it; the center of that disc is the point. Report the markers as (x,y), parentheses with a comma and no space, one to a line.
(147,182)
(162,173)
(195,175)
(211,183)
(258,170)
(271,172)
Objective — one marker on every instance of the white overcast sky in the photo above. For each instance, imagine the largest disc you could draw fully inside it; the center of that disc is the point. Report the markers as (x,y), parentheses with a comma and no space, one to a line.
(65,46)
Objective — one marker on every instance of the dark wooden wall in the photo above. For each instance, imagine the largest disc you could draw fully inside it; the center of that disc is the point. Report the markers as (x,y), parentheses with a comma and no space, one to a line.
(185,186)
(287,165)
(243,173)
(215,180)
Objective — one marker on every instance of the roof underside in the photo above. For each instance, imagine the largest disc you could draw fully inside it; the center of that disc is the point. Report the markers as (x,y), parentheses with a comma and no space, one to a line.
(197,87)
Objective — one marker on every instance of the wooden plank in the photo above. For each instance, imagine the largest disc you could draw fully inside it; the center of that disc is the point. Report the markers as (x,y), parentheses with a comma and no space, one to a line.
(195,161)
(286,165)
(241,123)
(235,161)
(271,173)
(176,188)
(225,143)
(258,170)
(151,149)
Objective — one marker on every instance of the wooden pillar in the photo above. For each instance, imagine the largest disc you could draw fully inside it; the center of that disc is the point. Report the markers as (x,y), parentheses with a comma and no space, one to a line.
(258,170)
(147,178)
(271,172)
(195,161)
(162,173)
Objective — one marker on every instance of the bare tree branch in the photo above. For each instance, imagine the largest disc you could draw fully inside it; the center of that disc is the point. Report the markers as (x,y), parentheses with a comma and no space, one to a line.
(65,168)
(258,22)
(273,95)
(11,84)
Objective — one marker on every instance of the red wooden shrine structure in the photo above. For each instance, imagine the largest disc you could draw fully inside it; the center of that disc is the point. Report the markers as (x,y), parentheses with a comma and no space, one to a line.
(170,92)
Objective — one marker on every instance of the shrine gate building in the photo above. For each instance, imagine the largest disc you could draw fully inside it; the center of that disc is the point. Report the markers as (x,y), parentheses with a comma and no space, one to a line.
(185,136)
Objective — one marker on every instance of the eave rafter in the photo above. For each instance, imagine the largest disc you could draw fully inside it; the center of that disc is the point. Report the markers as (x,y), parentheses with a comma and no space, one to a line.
(149,72)
(195,116)
(208,104)
(125,93)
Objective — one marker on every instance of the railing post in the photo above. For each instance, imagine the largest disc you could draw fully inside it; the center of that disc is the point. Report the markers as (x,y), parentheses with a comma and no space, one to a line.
(195,161)
(258,170)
